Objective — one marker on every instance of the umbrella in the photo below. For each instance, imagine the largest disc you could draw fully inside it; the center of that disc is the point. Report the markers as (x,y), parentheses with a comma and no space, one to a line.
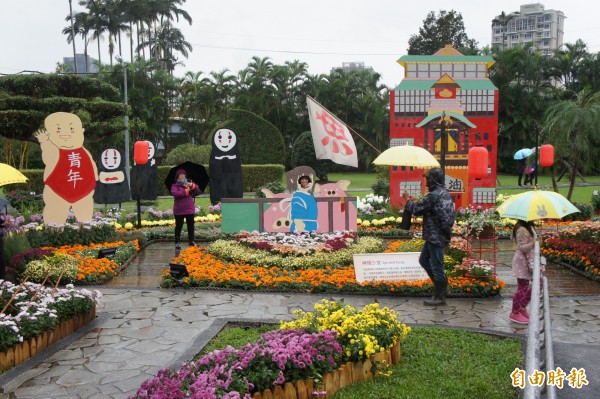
(194,171)
(407,155)
(9,175)
(523,153)
(537,204)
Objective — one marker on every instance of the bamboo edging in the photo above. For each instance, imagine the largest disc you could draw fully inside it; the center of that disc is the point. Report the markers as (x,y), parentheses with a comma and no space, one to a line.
(22,351)
(344,376)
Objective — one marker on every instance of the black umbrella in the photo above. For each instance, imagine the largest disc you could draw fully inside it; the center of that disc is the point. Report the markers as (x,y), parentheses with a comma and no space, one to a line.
(194,171)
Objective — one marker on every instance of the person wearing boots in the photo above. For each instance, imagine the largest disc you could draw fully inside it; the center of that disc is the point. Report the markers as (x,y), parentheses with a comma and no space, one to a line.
(183,206)
(524,236)
(437,209)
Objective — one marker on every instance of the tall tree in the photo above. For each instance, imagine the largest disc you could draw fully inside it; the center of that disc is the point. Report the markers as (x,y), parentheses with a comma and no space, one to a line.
(588,73)
(440,30)
(164,43)
(502,20)
(525,93)
(81,25)
(97,21)
(572,126)
(73,34)
(565,64)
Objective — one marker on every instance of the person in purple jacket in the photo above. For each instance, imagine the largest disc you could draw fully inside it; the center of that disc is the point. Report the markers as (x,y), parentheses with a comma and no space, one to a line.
(183,206)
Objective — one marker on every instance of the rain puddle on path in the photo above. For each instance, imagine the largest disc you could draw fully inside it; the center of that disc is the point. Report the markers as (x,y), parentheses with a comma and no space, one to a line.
(144,269)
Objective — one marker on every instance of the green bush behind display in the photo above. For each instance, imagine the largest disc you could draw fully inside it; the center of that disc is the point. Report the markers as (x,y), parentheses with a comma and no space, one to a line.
(255,176)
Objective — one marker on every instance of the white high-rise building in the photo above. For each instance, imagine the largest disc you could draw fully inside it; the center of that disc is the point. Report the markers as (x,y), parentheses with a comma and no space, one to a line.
(532,24)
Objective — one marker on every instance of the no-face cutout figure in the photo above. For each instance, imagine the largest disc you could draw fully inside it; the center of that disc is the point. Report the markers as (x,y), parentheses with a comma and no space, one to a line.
(148,175)
(112,186)
(225,167)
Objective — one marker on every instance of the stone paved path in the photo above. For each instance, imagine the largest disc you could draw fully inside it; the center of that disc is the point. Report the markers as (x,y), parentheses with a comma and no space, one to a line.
(141,329)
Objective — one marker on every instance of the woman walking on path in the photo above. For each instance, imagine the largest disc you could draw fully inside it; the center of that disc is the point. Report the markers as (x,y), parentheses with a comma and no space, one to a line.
(524,236)
(183,206)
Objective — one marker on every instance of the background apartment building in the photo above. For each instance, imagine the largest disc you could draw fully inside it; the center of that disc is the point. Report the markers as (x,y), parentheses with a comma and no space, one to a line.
(532,24)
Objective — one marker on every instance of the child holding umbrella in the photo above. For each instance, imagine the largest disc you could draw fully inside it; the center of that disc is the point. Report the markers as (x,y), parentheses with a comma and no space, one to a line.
(183,191)
(524,235)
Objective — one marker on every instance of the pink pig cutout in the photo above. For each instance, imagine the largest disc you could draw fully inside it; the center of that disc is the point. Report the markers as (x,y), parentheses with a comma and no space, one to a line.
(277,215)
(337,189)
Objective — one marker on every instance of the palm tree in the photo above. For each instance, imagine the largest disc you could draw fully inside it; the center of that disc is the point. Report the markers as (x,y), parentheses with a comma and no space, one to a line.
(164,42)
(571,125)
(564,64)
(83,27)
(525,94)
(503,20)
(97,21)
(169,8)
(73,34)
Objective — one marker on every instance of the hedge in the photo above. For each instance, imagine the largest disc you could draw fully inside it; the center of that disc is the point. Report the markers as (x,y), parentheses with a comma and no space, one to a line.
(254,177)
(260,141)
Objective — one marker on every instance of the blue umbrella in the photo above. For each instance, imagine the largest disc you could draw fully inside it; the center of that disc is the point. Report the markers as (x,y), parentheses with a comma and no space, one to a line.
(523,153)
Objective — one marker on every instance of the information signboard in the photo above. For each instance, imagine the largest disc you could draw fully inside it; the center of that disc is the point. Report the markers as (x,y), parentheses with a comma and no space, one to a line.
(388,267)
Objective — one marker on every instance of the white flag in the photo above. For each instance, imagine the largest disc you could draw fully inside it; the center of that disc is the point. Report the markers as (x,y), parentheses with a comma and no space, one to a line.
(331,137)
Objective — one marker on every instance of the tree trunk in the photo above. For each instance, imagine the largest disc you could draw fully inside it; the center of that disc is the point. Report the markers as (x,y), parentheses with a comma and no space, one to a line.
(120,50)
(111,48)
(99,56)
(23,156)
(131,41)
(85,53)
(553,175)
(572,182)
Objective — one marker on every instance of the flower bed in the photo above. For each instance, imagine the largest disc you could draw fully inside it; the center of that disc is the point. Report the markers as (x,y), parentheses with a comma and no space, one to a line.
(576,246)
(229,264)
(34,316)
(286,363)
(88,269)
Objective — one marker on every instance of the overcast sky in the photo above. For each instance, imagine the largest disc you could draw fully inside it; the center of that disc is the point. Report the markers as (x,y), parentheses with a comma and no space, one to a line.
(225,34)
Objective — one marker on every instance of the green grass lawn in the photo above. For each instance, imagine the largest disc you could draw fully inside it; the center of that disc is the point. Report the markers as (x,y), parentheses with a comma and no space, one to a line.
(435,363)
(507,186)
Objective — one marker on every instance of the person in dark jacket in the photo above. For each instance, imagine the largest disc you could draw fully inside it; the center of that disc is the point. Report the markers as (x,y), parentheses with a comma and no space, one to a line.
(521,167)
(437,209)
(183,206)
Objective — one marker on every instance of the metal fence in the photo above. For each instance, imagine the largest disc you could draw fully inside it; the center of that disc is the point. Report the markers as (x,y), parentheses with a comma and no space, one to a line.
(539,355)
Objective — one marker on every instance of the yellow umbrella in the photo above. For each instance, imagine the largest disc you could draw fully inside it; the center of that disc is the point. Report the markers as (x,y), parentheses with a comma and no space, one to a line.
(9,175)
(533,205)
(407,155)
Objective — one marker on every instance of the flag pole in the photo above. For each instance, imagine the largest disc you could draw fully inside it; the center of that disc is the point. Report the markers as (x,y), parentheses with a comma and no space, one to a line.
(355,132)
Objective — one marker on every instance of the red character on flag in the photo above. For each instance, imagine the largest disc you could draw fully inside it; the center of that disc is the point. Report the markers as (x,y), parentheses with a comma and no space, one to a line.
(331,137)
(336,131)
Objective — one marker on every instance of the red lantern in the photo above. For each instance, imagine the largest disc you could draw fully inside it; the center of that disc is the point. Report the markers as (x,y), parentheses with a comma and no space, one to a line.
(140,152)
(546,155)
(478,162)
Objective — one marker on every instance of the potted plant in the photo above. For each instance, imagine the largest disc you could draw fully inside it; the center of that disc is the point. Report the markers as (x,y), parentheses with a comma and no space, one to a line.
(478,222)
(480,268)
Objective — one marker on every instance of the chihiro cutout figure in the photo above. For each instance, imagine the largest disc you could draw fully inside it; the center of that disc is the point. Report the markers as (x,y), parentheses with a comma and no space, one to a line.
(70,174)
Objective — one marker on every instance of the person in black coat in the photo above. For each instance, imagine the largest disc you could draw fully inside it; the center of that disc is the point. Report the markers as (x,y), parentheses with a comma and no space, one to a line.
(437,209)
(521,166)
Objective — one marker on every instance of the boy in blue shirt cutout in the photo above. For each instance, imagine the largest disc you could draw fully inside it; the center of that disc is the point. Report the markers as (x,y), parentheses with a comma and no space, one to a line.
(304,209)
